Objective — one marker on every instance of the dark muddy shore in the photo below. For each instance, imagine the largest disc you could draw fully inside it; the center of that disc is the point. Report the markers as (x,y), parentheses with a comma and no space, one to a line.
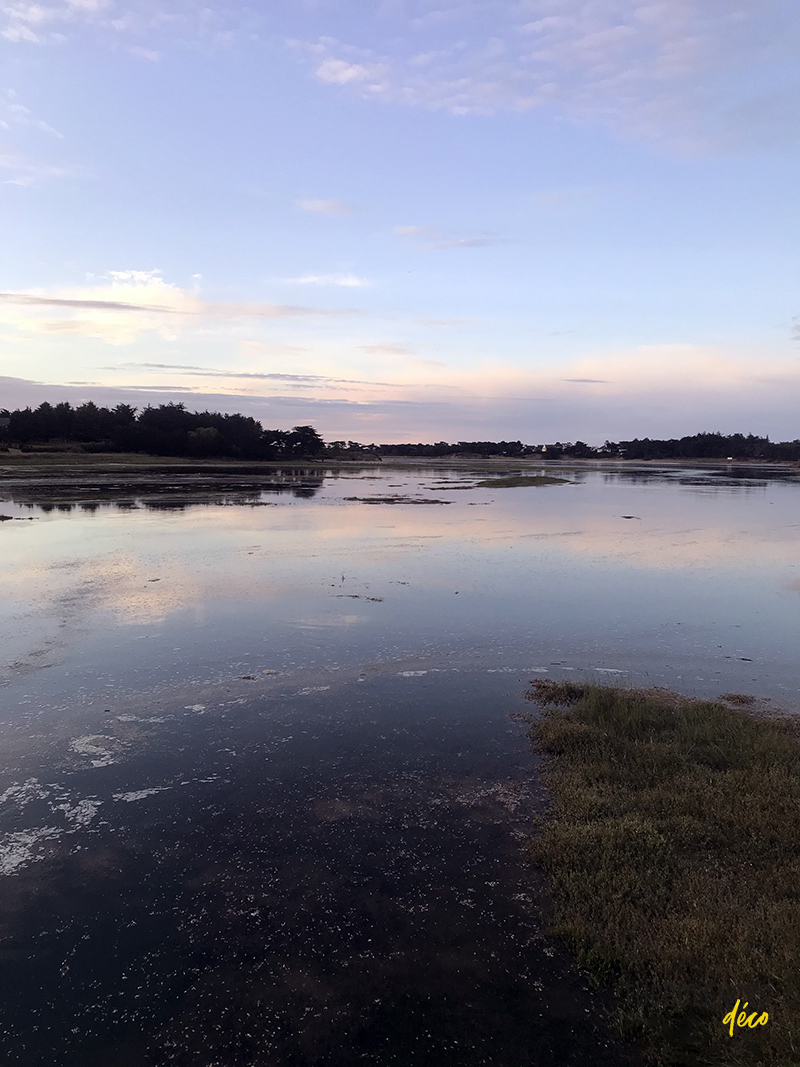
(315,876)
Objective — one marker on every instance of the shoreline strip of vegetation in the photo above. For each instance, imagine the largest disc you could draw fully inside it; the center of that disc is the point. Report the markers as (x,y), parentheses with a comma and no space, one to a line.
(673,849)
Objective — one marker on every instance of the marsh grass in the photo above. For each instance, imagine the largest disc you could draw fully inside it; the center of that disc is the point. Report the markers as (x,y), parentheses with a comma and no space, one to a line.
(512,481)
(674,855)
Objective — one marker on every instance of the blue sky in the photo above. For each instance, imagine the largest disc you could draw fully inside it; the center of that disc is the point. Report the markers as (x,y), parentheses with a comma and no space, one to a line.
(408,220)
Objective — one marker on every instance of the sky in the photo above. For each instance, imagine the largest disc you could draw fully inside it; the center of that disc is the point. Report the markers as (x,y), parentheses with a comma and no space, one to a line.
(406,220)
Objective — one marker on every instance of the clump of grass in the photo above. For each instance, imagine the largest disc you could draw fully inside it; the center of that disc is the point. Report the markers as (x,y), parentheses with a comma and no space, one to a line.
(674,854)
(547,691)
(512,481)
(743,700)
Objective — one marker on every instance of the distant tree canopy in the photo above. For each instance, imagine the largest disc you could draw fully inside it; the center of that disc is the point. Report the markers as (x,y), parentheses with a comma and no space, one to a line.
(698,446)
(166,430)
(469,448)
(171,430)
(706,446)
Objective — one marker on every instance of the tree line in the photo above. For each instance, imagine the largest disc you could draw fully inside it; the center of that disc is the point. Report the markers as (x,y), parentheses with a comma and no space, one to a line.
(166,430)
(171,430)
(696,446)
(440,448)
(706,446)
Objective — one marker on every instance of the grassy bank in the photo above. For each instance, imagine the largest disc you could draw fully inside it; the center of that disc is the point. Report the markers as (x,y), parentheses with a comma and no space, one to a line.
(674,854)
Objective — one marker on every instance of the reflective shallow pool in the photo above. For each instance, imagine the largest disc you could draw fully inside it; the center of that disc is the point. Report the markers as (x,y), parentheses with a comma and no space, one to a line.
(677,577)
(262,799)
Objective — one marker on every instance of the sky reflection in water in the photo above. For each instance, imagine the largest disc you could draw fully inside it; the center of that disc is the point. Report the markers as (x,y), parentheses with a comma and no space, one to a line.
(679,578)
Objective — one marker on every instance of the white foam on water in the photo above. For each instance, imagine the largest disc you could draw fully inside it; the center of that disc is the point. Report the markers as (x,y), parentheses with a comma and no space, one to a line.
(22,793)
(140,794)
(81,813)
(19,849)
(92,745)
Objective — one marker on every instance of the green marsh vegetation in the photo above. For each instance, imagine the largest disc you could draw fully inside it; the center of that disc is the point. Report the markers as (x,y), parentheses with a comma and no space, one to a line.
(513,481)
(673,848)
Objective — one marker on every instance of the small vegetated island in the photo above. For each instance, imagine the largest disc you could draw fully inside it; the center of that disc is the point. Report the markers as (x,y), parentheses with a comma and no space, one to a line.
(515,481)
(171,430)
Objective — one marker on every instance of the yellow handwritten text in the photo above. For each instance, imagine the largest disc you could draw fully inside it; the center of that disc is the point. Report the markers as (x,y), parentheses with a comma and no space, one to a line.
(743,1019)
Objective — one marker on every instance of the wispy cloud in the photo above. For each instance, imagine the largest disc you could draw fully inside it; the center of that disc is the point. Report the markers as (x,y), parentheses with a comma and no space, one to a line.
(684,73)
(153,366)
(18,124)
(28,22)
(225,310)
(150,55)
(121,306)
(140,22)
(17,169)
(14,113)
(255,310)
(345,281)
(340,72)
(192,370)
(434,238)
(34,300)
(446,324)
(324,207)
(386,348)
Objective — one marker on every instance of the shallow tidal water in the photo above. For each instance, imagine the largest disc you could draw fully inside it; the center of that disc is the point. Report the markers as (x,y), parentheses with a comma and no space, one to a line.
(263,799)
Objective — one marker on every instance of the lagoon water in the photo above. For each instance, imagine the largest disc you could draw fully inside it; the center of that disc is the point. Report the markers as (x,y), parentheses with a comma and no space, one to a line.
(262,798)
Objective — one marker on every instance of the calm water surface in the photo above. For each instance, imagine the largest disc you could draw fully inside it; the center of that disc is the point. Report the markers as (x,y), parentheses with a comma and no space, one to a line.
(262,801)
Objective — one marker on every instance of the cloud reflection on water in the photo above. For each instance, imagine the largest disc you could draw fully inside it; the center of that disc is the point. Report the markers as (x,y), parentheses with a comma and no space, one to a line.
(542,557)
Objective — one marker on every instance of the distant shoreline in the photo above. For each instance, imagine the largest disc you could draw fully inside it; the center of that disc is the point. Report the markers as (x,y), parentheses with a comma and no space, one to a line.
(61,476)
(12,463)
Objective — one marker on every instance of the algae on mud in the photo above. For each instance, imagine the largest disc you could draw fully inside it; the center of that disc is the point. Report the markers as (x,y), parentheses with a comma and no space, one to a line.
(514,481)
(673,854)
(394,500)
